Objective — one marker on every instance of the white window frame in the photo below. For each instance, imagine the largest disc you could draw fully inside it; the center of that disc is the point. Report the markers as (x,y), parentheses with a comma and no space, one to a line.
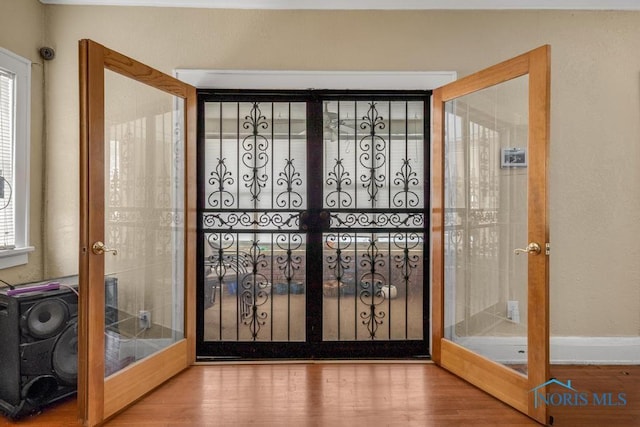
(21,68)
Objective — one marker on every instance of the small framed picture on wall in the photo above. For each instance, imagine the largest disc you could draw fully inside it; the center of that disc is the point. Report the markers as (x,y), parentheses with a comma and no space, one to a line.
(513,158)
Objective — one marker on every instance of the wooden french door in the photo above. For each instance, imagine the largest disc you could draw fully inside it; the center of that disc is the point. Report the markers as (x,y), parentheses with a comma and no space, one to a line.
(490,230)
(137,240)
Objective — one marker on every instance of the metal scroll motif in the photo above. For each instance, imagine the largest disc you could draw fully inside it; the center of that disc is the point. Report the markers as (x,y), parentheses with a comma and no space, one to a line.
(377,219)
(373,157)
(255,292)
(289,178)
(221,176)
(255,156)
(250,220)
(372,284)
(254,286)
(339,177)
(406,262)
(406,178)
(289,264)
(339,262)
(220,262)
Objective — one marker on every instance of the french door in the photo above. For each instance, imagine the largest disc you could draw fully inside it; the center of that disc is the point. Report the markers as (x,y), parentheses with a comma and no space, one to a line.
(312,217)
(490,230)
(137,240)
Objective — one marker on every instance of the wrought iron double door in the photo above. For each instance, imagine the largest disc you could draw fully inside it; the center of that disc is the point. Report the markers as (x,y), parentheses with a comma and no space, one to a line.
(312,224)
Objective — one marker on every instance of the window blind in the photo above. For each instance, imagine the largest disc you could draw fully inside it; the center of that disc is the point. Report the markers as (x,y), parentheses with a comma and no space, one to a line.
(7,141)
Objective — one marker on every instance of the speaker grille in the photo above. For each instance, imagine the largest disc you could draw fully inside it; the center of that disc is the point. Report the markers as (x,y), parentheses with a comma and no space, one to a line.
(65,355)
(47,318)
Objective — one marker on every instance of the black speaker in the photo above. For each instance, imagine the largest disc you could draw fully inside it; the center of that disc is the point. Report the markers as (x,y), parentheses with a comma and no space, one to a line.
(38,349)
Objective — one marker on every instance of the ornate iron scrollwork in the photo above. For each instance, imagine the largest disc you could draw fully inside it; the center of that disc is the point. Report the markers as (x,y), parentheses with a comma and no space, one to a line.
(407,179)
(371,293)
(256,214)
(289,264)
(255,291)
(221,176)
(338,177)
(373,156)
(255,156)
(290,178)
(339,262)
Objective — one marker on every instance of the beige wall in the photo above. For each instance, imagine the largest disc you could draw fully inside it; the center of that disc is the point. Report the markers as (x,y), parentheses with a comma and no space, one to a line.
(22,31)
(595,147)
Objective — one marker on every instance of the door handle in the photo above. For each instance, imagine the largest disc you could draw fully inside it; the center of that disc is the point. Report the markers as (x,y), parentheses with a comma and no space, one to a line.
(99,248)
(532,248)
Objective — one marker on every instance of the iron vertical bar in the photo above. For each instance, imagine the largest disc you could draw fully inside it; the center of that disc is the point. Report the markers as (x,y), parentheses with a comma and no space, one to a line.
(289,289)
(355,152)
(338,252)
(338,156)
(314,302)
(358,284)
(238,287)
(221,135)
(238,281)
(289,150)
(406,146)
(389,156)
(273,143)
(406,204)
(374,198)
(289,235)
(273,185)
(270,289)
(389,283)
(339,278)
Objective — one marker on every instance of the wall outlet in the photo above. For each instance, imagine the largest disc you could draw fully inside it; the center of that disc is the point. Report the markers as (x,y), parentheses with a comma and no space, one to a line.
(513,311)
(144,319)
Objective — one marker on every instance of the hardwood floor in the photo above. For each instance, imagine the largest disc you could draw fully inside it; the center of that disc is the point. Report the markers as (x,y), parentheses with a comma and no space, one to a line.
(350,394)
(601,380)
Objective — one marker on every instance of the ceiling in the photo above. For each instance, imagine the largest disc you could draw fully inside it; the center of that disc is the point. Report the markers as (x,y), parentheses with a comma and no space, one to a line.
(370,4)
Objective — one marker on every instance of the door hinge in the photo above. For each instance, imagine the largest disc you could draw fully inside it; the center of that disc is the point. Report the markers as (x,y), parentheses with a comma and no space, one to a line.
(547,248)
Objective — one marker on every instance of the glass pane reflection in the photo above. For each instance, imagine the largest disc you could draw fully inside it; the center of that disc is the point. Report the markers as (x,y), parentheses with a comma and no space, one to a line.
(143,221)
(485,220)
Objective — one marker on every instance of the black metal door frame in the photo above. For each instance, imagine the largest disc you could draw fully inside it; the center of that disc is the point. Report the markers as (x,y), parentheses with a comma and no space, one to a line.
(314,221)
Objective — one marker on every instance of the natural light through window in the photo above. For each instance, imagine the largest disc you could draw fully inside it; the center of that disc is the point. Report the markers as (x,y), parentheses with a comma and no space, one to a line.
(15,83)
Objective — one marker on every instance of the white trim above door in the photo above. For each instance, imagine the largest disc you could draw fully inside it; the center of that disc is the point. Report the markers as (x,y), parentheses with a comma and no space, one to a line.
(335,80)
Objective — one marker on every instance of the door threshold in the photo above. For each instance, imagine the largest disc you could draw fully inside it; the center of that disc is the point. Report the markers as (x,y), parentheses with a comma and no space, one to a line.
(232,361)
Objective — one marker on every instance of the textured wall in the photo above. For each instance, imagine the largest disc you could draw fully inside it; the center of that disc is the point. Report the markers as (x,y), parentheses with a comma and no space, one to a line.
(22,31)
(595,131)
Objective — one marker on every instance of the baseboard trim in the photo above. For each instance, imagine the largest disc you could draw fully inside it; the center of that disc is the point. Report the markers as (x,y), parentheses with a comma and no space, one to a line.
(563,351)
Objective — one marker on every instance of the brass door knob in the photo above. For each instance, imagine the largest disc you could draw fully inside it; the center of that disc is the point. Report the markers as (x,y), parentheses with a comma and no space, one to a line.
(532,248)
(99,248)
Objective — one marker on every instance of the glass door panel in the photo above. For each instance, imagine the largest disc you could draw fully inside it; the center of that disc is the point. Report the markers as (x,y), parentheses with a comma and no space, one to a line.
(144,220)
(374,195)
(254,275)
(373,286)
(485,193)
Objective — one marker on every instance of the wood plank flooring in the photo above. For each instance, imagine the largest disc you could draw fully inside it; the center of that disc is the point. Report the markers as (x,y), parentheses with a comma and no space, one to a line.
(601,380)
(349,394)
